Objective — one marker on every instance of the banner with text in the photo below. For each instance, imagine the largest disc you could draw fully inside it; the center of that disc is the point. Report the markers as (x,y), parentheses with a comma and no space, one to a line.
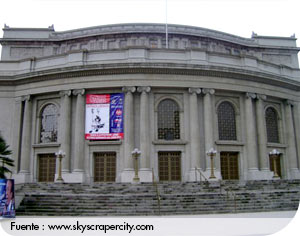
(104,116)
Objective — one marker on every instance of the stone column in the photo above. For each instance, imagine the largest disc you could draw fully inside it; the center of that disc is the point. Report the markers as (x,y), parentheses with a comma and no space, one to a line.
(291,144)
(145,170)
(209,129)
(194,132)
(251,146)
(128,173)
(79,135)
(26,139)
(16,140)
(297,129)
(208,118)
(263,155)
(65,129)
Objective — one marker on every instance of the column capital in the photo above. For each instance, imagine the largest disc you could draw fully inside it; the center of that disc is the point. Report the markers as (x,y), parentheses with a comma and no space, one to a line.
(78,92)
(146,89)
(288,102)
(195,90)
(208,91)
(261,97)
(65,93)
(18,99)
(130,89)
(26,98)
(250,95)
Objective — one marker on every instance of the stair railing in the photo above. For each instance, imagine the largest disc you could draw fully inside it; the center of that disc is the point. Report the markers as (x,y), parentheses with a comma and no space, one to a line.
(229,193)
(201,175)
(155,185)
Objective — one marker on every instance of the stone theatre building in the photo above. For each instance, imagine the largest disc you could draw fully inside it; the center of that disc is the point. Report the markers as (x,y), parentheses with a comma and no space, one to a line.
(203,89)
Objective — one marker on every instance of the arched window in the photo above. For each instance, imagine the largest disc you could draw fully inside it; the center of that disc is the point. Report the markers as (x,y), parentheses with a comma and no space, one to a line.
(48,129)
(272,125)
(168,120)
(226,121)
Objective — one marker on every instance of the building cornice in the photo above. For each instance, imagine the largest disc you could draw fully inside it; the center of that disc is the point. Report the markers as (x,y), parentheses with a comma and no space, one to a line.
(141,28)
(151,68)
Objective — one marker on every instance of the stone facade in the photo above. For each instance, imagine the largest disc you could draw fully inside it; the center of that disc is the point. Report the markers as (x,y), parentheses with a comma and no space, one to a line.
(200,70)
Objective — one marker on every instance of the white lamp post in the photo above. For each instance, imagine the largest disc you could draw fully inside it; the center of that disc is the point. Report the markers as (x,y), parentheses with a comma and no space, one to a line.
(60,155)
(211,152)
(135,154)
(274,154)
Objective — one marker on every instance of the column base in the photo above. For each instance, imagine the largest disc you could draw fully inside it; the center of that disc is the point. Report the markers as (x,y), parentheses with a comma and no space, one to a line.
(77,176)
(253,174)
(127,176)
(56,180)
(21,177)
(145,175)
(265,174)
(217,175)
(294,173)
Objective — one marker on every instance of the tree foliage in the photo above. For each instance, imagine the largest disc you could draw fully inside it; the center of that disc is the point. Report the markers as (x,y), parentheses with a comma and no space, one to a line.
(5,160)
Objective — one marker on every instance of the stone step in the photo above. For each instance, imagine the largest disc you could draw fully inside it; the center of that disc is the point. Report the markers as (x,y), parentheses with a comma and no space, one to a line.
(115,199)
(146,213)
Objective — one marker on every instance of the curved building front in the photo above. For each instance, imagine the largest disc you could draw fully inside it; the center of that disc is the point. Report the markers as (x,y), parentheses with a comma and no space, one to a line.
(98,93)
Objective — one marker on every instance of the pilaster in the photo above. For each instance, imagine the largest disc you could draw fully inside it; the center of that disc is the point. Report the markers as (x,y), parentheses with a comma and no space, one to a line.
(23,175)
(251,146)
(78,167)
(297,129)
(65,129)
(263,156)
(194,133)
(209,130)
(145,172)
(128,172)
(293,172)
(17,138)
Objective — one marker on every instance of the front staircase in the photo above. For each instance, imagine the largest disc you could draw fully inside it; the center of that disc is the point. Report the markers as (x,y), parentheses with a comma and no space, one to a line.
(120,199)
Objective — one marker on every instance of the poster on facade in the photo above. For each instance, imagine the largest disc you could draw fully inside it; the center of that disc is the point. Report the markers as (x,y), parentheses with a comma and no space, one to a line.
(7,198)
(104,116)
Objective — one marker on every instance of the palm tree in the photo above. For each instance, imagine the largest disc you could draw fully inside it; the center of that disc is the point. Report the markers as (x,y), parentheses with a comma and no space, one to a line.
(4,158)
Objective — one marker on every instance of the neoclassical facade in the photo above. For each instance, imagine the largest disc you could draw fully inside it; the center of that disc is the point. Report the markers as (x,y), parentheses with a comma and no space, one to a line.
(202,89)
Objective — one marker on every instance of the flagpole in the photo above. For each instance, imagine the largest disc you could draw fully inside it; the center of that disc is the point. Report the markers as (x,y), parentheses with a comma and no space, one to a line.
(167,39)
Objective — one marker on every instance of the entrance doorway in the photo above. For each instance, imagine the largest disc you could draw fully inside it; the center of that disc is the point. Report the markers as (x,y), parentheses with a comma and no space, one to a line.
(169,166)
(47,166)
(229,165)
(105,167)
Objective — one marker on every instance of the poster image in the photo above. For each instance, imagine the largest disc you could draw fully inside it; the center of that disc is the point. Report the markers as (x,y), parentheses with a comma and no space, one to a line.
(7,198)
(104,116)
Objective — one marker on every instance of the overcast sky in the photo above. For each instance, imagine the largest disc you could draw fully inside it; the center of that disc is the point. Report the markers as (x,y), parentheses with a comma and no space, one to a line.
(238,17)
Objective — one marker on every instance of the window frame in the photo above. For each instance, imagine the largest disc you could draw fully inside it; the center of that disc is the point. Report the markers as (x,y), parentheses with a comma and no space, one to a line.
(179,102)
(278,123)
(39,123)
(236,116)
